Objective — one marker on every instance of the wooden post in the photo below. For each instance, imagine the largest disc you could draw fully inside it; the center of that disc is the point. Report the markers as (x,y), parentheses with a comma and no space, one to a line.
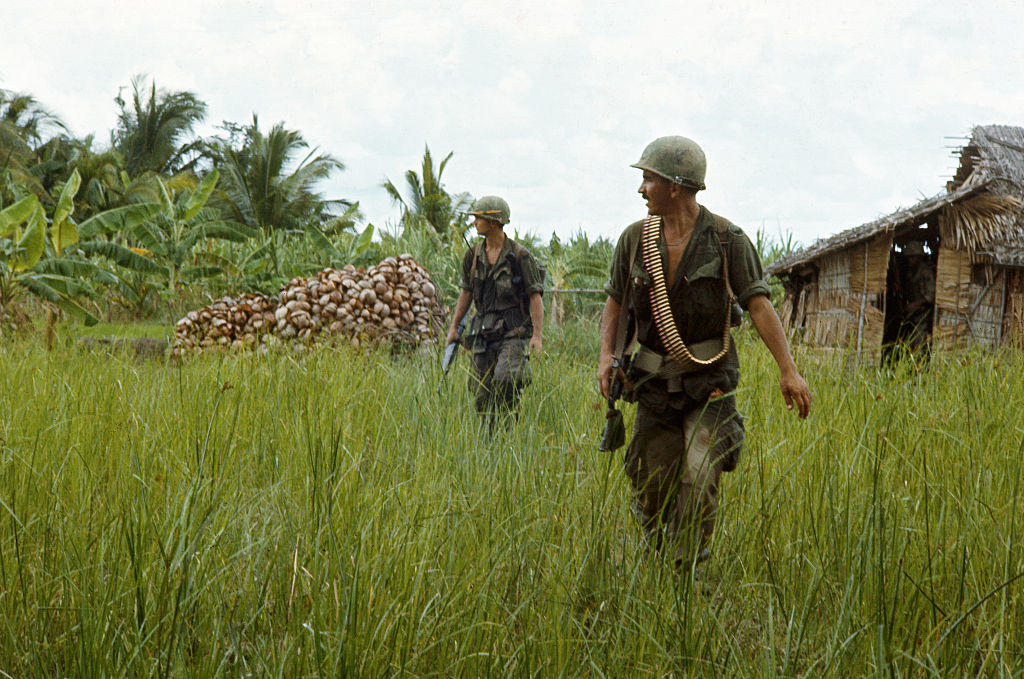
(863,301)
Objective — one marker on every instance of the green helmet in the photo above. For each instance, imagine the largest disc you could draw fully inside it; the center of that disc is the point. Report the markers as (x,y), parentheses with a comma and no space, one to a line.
(491,207)
(677,159)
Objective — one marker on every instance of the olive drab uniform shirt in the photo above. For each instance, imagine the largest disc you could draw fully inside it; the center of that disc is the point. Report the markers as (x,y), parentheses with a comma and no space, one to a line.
(698,297)
(501,292)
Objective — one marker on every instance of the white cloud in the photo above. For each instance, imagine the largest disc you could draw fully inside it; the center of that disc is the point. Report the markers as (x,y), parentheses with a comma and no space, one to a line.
(815,116)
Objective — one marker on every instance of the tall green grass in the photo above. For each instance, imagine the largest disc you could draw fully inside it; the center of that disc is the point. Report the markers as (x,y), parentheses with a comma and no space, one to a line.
(327,514)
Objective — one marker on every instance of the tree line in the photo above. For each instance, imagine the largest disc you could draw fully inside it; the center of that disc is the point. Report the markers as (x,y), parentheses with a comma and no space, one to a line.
(156,219)
(159,218)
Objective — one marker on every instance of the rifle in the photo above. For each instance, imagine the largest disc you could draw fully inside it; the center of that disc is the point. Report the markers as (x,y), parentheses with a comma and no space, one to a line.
(614,433)
(450,352)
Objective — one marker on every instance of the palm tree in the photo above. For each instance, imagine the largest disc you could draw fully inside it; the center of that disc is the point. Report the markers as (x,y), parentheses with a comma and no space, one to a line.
(103,187)
(24,124)
(151,130)
(428,200)
(23,114)
(259,188)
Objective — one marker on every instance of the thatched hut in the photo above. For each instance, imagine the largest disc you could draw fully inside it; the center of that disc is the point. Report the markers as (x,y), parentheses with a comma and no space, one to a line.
(860,288)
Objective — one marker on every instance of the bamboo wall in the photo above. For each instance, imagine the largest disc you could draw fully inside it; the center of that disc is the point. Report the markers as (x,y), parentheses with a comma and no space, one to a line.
(966,312)
(1013,318)
(847,308)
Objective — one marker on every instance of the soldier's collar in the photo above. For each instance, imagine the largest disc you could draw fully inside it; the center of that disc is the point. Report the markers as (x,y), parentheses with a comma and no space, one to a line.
(704,221)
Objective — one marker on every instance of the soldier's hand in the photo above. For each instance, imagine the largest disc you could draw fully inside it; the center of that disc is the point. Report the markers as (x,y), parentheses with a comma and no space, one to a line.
(453,335)
(796,393)
(535,345)
(604,376)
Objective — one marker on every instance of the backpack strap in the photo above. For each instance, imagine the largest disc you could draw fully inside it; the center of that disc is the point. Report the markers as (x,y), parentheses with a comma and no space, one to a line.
(722,227)
(476,255)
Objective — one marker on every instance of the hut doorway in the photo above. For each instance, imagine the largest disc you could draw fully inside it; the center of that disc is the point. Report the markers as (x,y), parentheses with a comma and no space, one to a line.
(909,298)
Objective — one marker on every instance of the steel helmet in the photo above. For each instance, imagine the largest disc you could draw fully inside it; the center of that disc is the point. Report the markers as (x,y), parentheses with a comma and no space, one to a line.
(677,159)
(491,207)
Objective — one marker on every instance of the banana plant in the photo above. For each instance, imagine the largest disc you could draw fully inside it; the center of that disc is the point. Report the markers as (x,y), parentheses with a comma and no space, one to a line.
(25,259)
(346,248)
(46,258)
(568,266)
(174,226)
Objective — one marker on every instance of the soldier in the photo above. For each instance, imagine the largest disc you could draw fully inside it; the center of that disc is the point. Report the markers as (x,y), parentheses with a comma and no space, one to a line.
(505,283)
(676,276)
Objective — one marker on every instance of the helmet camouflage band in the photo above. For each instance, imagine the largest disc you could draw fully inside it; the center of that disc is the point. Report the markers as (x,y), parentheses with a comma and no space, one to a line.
(677,159)
(491,207)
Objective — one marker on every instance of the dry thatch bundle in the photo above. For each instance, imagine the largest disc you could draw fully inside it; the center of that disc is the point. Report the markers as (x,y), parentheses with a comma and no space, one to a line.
(394,300)
(980,220)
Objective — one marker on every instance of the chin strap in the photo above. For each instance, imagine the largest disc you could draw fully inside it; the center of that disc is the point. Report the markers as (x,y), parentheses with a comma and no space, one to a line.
(663,318)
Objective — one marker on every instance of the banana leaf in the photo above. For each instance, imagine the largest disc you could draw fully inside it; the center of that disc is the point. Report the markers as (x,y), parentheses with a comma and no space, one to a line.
(14,215)
(43,288)
(197,199)
(117,219)
(121,256)
(31,242)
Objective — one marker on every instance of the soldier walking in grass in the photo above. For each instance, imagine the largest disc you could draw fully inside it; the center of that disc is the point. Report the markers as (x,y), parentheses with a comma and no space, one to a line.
(504,282)
(675,279)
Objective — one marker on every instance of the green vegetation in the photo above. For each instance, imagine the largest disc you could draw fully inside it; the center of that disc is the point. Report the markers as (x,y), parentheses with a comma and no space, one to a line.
(161,221)
(326,514)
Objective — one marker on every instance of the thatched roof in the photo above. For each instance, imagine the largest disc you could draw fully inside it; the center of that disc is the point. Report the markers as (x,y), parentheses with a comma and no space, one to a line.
(994,152)
(983,203)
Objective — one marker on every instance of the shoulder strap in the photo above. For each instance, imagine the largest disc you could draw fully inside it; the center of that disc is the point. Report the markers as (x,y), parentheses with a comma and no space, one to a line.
(722,227)
(518,250)
(476,256)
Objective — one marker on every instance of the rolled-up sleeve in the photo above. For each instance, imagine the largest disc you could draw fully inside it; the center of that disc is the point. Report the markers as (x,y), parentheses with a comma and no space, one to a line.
(618,273)
(467,264)
(533,281)
(745,273)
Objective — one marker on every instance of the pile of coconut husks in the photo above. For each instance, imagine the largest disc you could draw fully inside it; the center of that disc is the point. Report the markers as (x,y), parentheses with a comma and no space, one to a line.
(394,300)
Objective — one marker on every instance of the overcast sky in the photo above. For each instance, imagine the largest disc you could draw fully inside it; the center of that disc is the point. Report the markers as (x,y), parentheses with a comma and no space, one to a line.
(815,116)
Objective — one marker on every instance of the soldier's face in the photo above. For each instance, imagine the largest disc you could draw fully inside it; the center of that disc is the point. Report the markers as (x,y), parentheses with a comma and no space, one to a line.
(657,191)
(485,226)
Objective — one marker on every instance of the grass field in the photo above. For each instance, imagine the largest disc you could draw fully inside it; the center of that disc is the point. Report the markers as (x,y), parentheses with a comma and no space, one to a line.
(328,514)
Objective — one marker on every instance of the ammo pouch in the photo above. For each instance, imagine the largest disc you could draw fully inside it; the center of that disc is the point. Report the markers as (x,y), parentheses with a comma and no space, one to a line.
(485,328)
(492,327)
(735,317)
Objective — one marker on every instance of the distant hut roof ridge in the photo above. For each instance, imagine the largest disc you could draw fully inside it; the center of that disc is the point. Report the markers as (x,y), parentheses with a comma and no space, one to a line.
(982,202)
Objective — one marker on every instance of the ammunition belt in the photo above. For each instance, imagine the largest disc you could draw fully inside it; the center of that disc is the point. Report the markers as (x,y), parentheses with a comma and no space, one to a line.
(662,310)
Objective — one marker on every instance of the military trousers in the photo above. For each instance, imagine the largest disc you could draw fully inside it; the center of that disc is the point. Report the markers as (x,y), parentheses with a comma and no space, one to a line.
(674,462)
(500,371)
